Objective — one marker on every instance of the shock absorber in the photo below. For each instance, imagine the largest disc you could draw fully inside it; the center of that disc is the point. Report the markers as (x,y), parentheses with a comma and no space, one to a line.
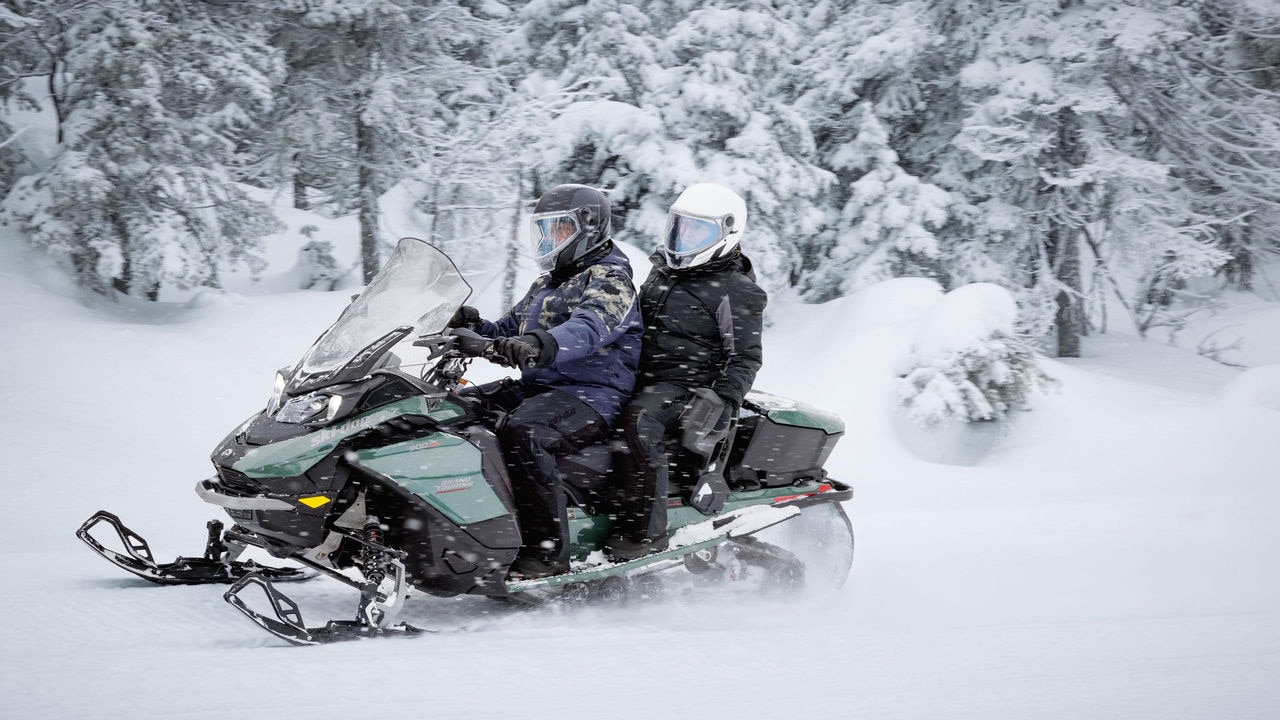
(373,568)
(373,530)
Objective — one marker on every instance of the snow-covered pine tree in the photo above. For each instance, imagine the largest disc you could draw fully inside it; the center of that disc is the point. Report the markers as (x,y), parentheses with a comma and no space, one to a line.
(686,92)
(1053,136)
(20,57)
(142,193)
(886,225)
(866,86)
(1214,111)
(968,364)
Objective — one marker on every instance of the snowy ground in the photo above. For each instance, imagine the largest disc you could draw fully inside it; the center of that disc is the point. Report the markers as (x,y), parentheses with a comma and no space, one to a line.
(1115,557)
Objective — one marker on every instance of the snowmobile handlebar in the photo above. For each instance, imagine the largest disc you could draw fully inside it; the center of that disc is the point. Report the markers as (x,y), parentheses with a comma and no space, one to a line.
(466,342)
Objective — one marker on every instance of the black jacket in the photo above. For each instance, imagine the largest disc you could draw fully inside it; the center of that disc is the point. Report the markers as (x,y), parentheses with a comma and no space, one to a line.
(703,326)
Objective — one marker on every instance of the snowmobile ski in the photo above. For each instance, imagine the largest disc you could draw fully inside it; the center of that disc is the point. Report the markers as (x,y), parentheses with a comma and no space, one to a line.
(218,565)
(374,618)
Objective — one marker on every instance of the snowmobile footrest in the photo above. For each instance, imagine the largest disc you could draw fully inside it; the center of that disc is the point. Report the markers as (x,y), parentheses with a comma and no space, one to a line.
(687,540)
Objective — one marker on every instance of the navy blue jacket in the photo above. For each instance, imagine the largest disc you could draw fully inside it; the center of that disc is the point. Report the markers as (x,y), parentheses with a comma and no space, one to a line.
(590,313)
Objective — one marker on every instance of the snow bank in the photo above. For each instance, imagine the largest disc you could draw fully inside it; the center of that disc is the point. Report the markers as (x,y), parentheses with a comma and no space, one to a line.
(891,302)
(963,319)
(1257,387)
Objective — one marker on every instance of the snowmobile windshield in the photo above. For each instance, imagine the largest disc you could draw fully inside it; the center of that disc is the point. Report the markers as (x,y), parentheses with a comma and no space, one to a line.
(418,287)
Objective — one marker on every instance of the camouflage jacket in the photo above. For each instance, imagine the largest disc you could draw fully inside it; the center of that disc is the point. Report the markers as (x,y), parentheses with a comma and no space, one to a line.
(591,314)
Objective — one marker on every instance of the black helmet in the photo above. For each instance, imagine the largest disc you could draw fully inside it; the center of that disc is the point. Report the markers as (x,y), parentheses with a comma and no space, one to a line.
(568,222)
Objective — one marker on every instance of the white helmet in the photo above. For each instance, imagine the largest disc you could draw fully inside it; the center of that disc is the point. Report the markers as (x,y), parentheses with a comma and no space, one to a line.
(705,223)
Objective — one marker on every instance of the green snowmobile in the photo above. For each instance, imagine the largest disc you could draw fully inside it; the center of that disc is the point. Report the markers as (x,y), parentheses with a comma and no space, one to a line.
(379,473)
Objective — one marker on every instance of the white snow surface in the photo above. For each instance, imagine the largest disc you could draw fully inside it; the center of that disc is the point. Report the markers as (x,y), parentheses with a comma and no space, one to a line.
(1115,557)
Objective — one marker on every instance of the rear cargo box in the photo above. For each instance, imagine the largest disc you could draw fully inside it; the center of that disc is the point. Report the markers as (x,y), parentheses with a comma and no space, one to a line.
(781,441)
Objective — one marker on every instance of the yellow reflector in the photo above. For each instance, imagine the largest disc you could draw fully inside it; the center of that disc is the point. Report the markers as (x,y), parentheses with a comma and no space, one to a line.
(314,502)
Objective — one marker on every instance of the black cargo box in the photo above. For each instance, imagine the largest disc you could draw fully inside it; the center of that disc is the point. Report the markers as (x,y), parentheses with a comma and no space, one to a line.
(781,441)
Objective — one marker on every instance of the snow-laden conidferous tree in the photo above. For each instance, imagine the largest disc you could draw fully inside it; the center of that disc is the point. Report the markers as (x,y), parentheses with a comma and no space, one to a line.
(885,227)
(142,192)
(967,363)
(685,92)
(866,83)
(20,57)
(1055,140)
(1214,112)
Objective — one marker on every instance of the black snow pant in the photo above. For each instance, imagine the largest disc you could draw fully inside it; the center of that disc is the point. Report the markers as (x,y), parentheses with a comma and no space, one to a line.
(541,424)
(649,421)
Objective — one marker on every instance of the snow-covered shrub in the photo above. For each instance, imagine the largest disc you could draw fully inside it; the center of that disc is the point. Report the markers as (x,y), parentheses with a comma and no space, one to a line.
(967,363)
(981,383)
(317,267)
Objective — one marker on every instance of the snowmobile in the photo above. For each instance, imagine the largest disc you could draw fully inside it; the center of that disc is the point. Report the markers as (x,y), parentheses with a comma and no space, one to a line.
(387,476)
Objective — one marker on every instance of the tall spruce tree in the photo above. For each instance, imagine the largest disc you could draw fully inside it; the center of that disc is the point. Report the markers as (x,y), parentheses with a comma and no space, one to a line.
(1052,136)
(142,192)
(886,225)
(685,92)
(864,87)
(1215,113)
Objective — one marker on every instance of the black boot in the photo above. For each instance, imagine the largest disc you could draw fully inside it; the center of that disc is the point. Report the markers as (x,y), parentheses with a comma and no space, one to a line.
(619,548)
(532,567)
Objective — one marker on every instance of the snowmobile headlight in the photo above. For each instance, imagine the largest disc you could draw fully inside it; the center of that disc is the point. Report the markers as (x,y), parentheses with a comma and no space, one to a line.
(334,408)
(277,393)
(304,409)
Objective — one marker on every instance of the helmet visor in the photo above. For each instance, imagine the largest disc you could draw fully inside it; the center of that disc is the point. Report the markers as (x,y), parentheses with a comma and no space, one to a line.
(551,232)
(687,234)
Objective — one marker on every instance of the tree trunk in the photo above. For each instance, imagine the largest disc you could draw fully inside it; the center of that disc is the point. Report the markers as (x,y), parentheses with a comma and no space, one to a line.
(513,247)
(1070,316)
(300,192)
(368,199)
(1239,269)
(1064,232)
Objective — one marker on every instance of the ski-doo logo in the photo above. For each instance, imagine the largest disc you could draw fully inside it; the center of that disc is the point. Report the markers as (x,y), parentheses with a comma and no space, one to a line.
(324,435)
(453,485)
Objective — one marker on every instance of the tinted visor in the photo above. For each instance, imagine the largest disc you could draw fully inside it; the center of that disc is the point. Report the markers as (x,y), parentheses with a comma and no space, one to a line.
(551,232)
(687,234)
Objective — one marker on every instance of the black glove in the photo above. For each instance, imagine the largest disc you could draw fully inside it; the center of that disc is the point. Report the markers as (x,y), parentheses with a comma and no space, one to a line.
(518,352)
(465,316)
(705,421)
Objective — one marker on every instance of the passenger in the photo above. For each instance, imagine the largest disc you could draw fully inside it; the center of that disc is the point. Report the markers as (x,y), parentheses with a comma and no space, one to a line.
(703,315)
(576,337)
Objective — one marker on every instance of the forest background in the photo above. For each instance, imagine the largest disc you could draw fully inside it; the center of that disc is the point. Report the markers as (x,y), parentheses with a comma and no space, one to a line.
(1082,154)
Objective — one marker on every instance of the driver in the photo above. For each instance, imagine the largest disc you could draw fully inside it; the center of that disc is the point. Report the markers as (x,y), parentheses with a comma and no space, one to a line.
(576,338)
